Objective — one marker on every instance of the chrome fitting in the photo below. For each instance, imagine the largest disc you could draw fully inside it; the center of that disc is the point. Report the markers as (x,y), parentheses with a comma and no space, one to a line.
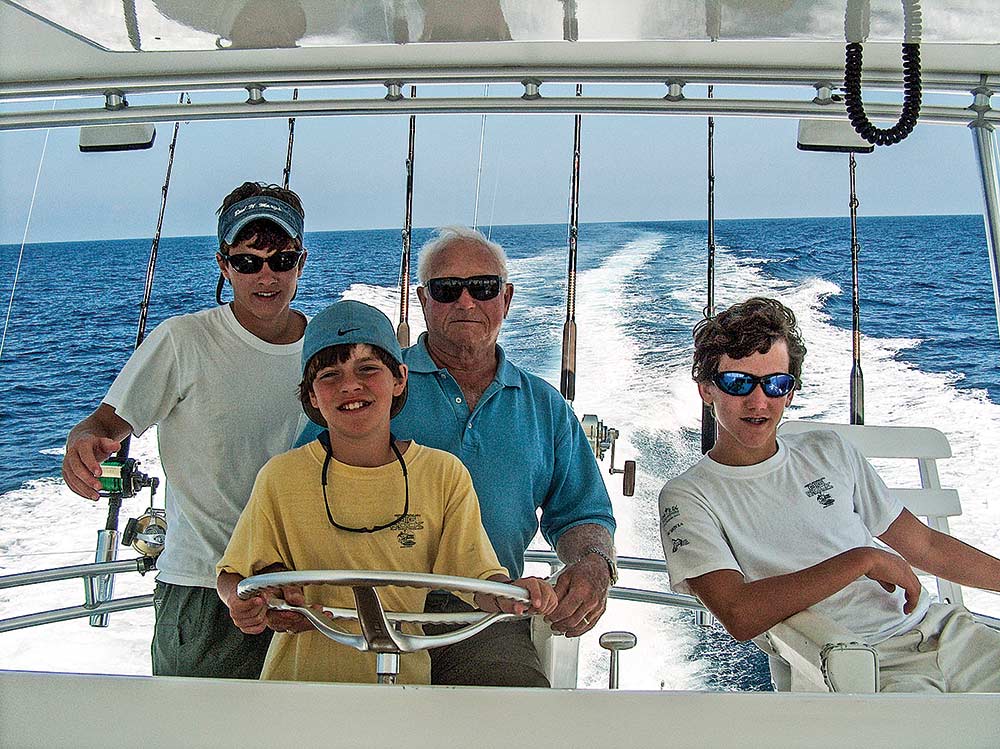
(824,93)
(531,88)
(394,90)
(114,100)
(256,93)
(675,91)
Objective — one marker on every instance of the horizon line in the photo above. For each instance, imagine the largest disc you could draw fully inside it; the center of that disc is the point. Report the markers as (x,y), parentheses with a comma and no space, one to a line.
(494,226)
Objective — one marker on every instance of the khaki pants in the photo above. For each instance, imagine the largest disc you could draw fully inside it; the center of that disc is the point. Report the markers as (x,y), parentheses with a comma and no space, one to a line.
(500,656)
(194,636)
(948,651)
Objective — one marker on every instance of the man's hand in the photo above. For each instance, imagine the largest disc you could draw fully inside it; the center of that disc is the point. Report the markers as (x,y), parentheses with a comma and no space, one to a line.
(290,622)
(542,597)
(81,468)
(89,444)
(582,588)
(249,615)
(890,570)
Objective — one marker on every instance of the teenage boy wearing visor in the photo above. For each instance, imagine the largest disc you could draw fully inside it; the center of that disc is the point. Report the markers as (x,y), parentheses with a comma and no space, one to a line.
(220,386)
(763,526)
(357,498)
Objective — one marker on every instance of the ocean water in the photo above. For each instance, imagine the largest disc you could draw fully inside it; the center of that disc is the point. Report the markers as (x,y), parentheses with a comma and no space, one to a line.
(929,354)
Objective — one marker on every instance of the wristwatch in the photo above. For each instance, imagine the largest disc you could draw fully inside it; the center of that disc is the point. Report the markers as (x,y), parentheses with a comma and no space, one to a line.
(612,565)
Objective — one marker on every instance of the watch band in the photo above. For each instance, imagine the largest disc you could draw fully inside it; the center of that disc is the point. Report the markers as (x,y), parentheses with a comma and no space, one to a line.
(612,565)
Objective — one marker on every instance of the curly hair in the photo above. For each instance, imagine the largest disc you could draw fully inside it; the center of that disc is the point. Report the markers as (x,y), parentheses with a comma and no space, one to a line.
(745,328)
(266,235)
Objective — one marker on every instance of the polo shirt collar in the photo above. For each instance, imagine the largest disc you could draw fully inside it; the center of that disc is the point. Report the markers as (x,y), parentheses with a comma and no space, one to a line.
(418,359)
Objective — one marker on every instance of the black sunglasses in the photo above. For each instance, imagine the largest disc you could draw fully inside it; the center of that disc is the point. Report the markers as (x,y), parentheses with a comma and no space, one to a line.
(279,262)
(449,289)
(775,385)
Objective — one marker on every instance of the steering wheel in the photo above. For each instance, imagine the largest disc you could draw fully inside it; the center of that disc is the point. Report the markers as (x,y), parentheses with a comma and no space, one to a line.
(377,633)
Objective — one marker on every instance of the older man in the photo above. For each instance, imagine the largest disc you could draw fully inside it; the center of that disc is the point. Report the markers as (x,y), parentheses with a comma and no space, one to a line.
(520,441)
(523,446)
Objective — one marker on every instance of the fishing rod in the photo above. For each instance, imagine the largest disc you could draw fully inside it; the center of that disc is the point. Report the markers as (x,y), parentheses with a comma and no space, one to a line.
(708,427)
(857,376)
(567,380)
(287,173)
(403,330)
(120,476)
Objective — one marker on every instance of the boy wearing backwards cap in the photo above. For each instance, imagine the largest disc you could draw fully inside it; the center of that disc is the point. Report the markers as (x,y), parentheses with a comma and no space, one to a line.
(357,498)
(219,386)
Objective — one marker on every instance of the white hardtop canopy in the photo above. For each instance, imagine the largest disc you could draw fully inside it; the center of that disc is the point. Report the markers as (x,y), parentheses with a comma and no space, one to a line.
(51,47)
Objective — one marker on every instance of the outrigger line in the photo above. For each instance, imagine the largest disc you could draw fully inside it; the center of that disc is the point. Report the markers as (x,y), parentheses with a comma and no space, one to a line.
(567,380)
(479,171)
(708,427)
(857,376)
(403,329)
(24,238)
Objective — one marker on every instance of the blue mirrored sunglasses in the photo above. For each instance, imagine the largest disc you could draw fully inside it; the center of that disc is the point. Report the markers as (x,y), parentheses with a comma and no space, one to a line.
(776,385)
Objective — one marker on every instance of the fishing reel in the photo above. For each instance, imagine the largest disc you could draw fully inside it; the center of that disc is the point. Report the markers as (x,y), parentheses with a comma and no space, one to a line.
(602,438)
(123,479)
(147,533)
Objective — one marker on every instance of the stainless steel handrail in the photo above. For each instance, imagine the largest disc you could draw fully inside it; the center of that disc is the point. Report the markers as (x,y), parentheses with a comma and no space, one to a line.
(139,564)
(74,612)
(637,595)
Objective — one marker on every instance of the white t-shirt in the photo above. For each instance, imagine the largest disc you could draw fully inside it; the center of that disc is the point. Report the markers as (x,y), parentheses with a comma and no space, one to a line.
(815,498)
(225,402)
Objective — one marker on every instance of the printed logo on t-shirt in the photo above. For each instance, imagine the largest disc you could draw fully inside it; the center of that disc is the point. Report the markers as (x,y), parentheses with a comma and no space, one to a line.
(668,526)
(819,489)
(406,527)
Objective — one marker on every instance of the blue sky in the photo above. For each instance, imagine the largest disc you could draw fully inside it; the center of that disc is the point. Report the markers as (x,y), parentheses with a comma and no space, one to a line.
(350,173)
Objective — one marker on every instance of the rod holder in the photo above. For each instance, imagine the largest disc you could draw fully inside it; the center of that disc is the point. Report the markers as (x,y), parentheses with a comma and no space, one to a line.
(614,642)
(100,588)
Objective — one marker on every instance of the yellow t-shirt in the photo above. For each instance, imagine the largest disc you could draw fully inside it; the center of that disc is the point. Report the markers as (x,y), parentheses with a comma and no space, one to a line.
(285,522)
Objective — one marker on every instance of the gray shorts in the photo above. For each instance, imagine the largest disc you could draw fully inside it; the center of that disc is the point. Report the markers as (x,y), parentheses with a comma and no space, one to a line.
(194,636)
(500,656)
(948,651)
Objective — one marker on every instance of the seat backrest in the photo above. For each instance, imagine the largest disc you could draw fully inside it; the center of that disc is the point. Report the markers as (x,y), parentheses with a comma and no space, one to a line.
(923,444)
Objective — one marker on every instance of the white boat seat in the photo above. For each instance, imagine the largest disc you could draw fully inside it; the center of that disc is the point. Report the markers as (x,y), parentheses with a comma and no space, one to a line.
(559,654)
(808,651)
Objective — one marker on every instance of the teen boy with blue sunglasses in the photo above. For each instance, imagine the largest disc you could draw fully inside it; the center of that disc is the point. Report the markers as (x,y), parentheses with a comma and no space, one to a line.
(764,526)
(220,386)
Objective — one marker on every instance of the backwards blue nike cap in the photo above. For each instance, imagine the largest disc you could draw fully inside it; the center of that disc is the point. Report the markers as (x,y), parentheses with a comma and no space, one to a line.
(346,322)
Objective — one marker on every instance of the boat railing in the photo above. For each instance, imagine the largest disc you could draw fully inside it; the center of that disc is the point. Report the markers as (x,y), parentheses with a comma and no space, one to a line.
(144,564)
(91,571)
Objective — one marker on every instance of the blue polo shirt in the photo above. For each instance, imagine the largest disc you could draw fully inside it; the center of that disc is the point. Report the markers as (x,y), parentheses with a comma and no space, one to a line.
(522,444)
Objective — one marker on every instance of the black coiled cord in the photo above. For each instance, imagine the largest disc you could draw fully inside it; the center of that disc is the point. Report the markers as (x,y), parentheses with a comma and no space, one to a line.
(911,97)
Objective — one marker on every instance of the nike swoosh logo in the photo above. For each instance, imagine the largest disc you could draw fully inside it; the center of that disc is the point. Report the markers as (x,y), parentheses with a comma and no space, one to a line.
(345,332)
